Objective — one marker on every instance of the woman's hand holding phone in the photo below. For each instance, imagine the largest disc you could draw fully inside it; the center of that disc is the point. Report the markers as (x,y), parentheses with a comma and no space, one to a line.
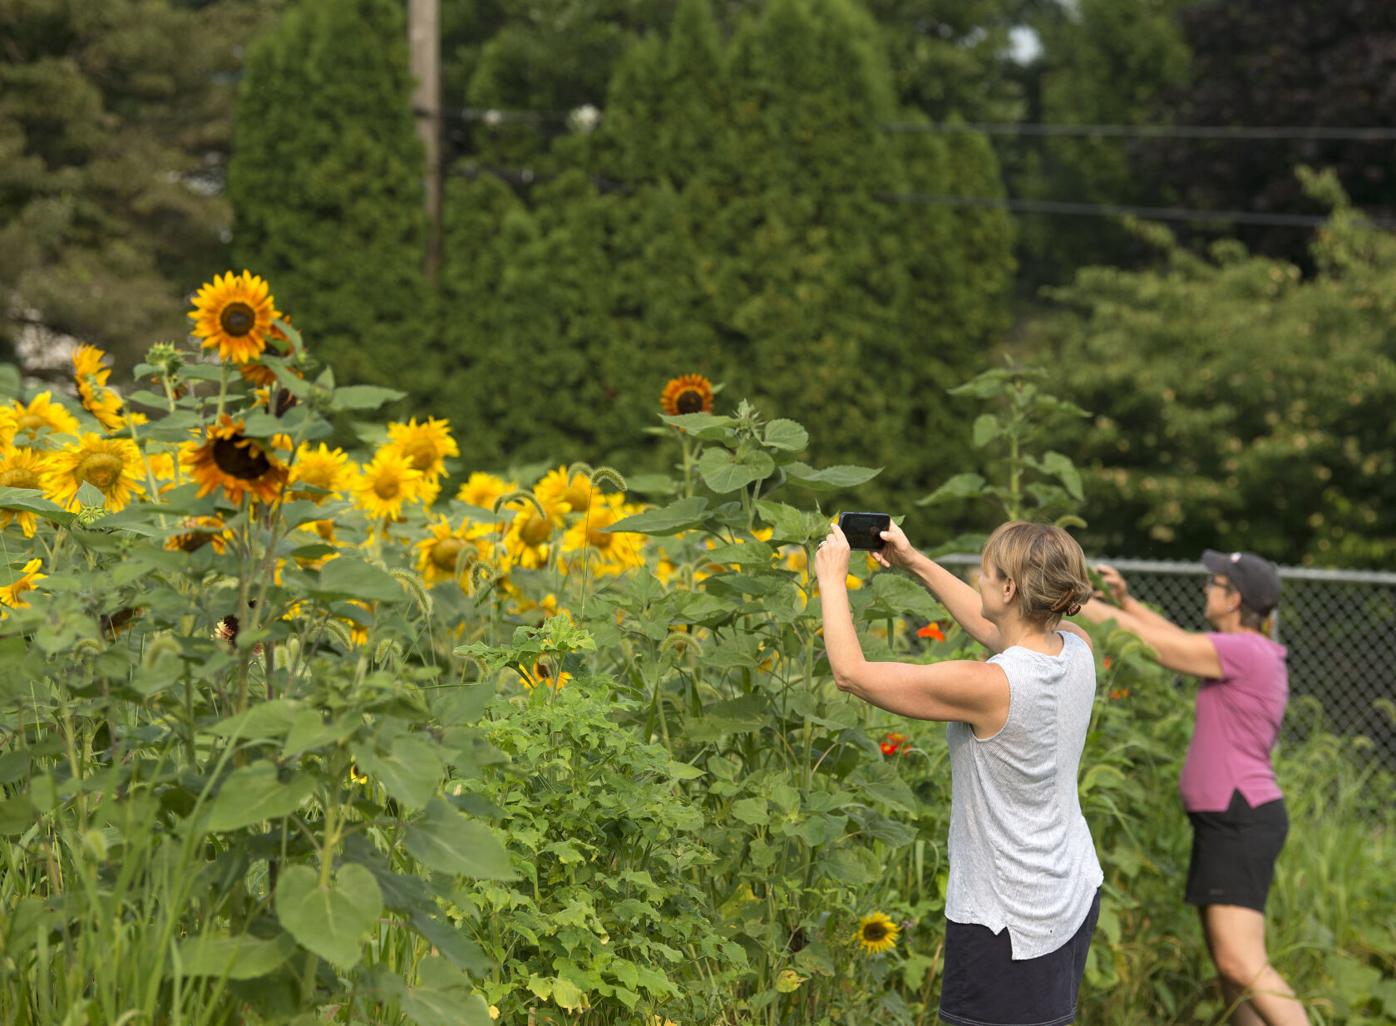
(831,558)
(896,550)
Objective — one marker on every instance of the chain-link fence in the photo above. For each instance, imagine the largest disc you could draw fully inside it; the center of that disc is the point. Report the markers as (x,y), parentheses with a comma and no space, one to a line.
(1339,627)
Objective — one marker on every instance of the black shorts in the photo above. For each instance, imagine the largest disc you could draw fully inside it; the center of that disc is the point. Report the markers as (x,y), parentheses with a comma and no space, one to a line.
(983,986)
(1233,853)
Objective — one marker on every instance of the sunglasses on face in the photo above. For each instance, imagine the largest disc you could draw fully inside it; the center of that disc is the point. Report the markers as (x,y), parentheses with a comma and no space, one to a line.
(1214,582)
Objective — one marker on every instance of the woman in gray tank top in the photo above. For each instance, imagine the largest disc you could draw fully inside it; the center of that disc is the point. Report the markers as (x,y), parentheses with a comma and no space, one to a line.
(1023,894)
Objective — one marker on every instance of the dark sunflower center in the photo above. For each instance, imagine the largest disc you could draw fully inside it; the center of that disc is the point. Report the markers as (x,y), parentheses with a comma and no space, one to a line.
(689,401)
(445,553)
(874,932)
(387,488)
(240,459)
(237,319)
(422,455)
(100,470)
(19,477)
(536,530)
(578,494)
(192,541)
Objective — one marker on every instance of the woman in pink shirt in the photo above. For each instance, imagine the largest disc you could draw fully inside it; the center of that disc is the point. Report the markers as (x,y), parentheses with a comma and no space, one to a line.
(1228,783)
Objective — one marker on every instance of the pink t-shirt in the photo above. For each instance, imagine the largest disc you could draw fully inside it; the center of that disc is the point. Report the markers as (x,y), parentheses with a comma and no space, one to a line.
(1238,718)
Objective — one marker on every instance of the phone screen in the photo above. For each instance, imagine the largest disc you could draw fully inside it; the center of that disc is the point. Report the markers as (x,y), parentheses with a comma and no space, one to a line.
(864,530)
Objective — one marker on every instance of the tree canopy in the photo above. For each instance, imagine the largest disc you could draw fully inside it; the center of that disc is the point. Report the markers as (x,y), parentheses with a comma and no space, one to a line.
(115,121)
(1238,404)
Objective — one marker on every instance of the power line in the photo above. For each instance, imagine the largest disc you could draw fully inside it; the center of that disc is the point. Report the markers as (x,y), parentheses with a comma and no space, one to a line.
(1351,133)
(525,177)
(1031,206)
(1239,132)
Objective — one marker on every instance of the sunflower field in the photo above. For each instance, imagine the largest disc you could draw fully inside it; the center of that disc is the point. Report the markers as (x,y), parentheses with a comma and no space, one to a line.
(298,733)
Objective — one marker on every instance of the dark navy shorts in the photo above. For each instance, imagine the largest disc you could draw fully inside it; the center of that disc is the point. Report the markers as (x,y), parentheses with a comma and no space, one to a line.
(983,986)
(1234,852)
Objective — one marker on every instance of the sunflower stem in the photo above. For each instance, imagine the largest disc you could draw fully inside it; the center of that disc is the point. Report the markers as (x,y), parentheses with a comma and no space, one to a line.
(687,464)
(222,389)
(145,462)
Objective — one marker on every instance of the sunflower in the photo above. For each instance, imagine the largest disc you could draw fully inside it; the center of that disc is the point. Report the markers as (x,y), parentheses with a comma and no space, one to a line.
(259,374)
(691,393)
(544,671)
(42,414)
(164,469)
(876,933)
(482,490)
(196,532)
(111,465)
(527,541)
(11,594)
(618,552)
(229,458)
(97,397)
(385,483)
(21,468)
(426,445)
(558,489)
(319,473)
(446,553)
(235,313)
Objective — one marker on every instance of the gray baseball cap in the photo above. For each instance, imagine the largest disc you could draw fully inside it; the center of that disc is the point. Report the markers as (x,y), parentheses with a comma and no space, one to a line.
(1256,578)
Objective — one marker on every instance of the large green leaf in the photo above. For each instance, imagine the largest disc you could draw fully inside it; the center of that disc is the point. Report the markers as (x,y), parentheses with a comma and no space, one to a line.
(670,519)
(724,471)
(242,957)
(786,434)
(445,840)
(254,793)
(961,486)
(331,920)
(364,397)
(986,429)
(1065,471)
(411,771)
(428,1006)
(30,500)
(708,427)
(266,719)
(354,578)
(894,595)
(752,811)
(830,478)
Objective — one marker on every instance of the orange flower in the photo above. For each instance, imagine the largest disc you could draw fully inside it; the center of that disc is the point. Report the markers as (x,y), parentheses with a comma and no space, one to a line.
(691,393)
(892,742)
(931,630)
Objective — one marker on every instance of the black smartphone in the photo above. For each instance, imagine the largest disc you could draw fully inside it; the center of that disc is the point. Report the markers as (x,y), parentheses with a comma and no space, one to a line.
(864,530)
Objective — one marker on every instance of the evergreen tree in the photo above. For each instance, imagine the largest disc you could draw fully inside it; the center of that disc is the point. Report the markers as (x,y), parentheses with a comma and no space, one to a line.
(756,240)
(115,120)
(1102,63)
(327,187)
(1237,404)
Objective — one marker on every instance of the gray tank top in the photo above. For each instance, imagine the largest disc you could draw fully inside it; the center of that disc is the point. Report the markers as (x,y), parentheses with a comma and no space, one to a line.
(1021,854)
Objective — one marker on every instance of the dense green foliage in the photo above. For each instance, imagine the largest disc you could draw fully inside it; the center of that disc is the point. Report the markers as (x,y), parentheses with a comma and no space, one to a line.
(349,809)
(115,121)
(1103,63)
(1238,405)
(751,241)
(1327,63)
(327,184)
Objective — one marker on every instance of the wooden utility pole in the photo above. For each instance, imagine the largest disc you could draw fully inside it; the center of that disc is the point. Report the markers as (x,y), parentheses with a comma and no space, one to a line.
(424,38)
